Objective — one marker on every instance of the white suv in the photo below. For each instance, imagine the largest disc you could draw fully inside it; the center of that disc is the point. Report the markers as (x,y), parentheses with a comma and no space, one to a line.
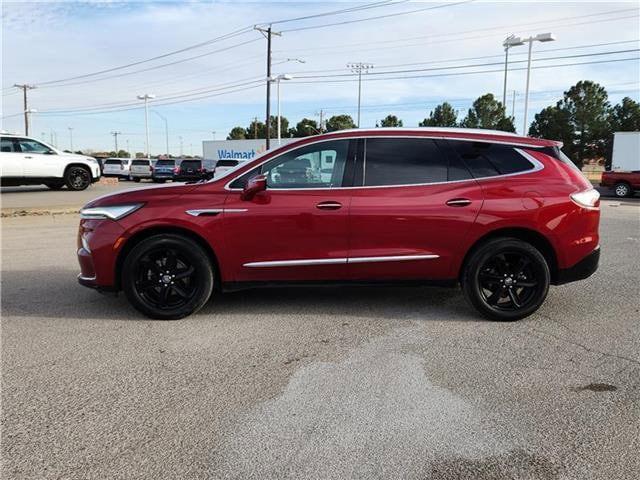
(26,161)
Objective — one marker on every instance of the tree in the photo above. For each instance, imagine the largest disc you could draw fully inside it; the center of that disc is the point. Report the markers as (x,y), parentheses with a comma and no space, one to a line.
(237,133)
(339,122)
(122,154)
(554,123)
(304,128)
(487,112)
(390,121)
(625,116)
(256,129)
(588,108)
(442,116)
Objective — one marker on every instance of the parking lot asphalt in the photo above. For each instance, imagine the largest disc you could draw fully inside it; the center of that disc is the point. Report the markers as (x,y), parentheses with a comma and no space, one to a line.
(317,383)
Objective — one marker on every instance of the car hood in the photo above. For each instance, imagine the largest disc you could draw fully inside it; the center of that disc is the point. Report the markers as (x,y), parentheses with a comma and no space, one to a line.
(142,195)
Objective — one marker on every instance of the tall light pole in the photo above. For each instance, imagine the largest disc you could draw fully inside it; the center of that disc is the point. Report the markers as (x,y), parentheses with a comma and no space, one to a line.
(359,68)
(166,129)
(213,132)
(268,32)
(115,139)
(146,97)
(180,138)
(510,41)
(24,87)
(70,138)
(541,37)
(277,80)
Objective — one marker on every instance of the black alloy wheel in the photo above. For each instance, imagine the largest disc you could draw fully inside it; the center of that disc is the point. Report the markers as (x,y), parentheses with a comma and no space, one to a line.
(77,178)
(167,277)
(506,279)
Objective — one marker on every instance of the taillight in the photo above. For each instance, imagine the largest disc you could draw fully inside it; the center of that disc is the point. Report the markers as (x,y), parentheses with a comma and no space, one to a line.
(587,198)
(151,168)
(176,169)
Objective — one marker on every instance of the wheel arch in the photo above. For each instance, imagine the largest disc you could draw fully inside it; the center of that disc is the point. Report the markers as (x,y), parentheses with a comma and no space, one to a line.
(136,238)
(530,236)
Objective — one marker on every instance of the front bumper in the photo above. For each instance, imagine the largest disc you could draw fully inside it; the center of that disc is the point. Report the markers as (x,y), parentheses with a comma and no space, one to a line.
(581,270)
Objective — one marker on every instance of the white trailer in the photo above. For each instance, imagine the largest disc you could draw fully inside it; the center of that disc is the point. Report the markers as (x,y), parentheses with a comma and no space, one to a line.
(626,152)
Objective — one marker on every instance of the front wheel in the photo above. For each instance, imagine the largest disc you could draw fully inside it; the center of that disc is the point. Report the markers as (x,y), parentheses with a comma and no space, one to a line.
(506,279)
(167,277)
(77,178)
(136,179)
(622,190)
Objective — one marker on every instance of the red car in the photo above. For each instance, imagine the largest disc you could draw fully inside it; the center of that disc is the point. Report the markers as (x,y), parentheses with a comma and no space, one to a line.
(503,216)
(624,184)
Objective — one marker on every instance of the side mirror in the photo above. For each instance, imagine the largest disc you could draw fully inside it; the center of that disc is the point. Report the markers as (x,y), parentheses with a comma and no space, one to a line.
(253,186)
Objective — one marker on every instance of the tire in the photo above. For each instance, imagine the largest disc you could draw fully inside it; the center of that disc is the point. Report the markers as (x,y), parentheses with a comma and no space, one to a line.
(159,180)
(136,179)
(506,279)
(154,292)
(55,185)
(622,190)
(77,178)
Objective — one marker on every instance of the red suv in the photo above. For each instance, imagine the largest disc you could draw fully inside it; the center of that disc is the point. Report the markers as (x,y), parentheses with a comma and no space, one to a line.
(502,215)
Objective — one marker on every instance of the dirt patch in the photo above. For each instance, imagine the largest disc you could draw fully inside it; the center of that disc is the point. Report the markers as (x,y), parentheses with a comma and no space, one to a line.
(597,387)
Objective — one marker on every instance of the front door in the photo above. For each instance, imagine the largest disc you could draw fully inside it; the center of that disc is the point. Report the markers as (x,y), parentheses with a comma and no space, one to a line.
(412,211)
(297,229)
(38,160)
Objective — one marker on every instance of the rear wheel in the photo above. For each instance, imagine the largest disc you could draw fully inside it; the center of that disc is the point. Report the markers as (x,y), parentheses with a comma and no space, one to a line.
(506,279)
(136,179)
(167,277)
(622,190)
(77,178)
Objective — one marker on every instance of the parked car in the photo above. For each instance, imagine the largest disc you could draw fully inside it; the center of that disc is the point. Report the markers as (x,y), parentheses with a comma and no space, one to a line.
(223,166)
(117,167)
(141,168)
(192,169)
(27,161)
(502,215)
(624,176)
(163,170)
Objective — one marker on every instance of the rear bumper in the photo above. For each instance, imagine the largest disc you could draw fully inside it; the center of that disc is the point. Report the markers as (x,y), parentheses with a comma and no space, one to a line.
(581,270)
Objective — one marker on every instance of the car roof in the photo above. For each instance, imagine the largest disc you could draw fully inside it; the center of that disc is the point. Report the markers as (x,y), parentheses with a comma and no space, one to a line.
(478,134)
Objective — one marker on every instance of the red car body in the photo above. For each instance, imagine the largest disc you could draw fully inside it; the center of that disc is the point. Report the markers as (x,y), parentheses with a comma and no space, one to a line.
(353,233)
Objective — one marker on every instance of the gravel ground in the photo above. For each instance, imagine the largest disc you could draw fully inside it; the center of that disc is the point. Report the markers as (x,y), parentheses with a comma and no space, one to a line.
(317,383)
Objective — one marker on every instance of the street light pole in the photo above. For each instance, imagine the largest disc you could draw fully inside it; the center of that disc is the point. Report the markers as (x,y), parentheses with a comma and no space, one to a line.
(268,32)
(541,37)
(359,68)
(166,129)
(278,79)
(510,41)
(115,139)
(146,97)
(71,137)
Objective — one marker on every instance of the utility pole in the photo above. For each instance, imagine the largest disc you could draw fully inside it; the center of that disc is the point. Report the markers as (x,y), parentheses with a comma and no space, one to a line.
(180,146)
(24,87)
(128,150)
(71,138)
(166,129)
(115,138)
(255,128)
(359,68)
(267,32)
(321,115)
(513,106)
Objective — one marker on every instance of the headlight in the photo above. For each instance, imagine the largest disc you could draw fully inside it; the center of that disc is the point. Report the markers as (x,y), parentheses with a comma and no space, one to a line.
(587,198)
(113,212)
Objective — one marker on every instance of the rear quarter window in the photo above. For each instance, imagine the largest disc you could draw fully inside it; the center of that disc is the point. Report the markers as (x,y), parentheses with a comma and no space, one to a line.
(490,160)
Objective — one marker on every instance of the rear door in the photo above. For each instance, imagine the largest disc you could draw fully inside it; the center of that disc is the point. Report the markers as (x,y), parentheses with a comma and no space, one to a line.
(11,164)
(411,212)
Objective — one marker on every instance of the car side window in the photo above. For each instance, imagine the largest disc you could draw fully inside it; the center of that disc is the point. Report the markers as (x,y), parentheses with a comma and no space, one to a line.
(490,160)
(402,161)
(7,145)
(27,145)
(319,165)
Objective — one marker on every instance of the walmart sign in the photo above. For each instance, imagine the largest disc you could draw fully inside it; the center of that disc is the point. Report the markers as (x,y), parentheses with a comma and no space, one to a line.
(243,150)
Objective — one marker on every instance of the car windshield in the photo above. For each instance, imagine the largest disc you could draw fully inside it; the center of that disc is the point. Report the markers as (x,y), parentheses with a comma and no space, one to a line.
(141,162)
(165,163)
(191,164)
(113,162)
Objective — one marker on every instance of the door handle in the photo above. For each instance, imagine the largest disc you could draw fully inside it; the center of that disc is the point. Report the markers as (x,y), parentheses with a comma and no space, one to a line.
(329,206)
(459,202)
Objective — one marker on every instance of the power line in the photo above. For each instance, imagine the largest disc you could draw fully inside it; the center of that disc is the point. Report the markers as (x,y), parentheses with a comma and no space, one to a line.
(347,22)
(369,6)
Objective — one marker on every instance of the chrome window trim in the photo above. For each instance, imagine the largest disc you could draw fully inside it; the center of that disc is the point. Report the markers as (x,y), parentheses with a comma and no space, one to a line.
(516,146)
(339,261)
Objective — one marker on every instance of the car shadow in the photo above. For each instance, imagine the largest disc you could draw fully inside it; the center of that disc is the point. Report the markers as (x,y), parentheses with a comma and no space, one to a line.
(55,293)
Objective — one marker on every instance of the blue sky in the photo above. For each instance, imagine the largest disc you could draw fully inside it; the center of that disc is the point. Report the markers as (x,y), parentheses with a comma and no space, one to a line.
(49,41)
